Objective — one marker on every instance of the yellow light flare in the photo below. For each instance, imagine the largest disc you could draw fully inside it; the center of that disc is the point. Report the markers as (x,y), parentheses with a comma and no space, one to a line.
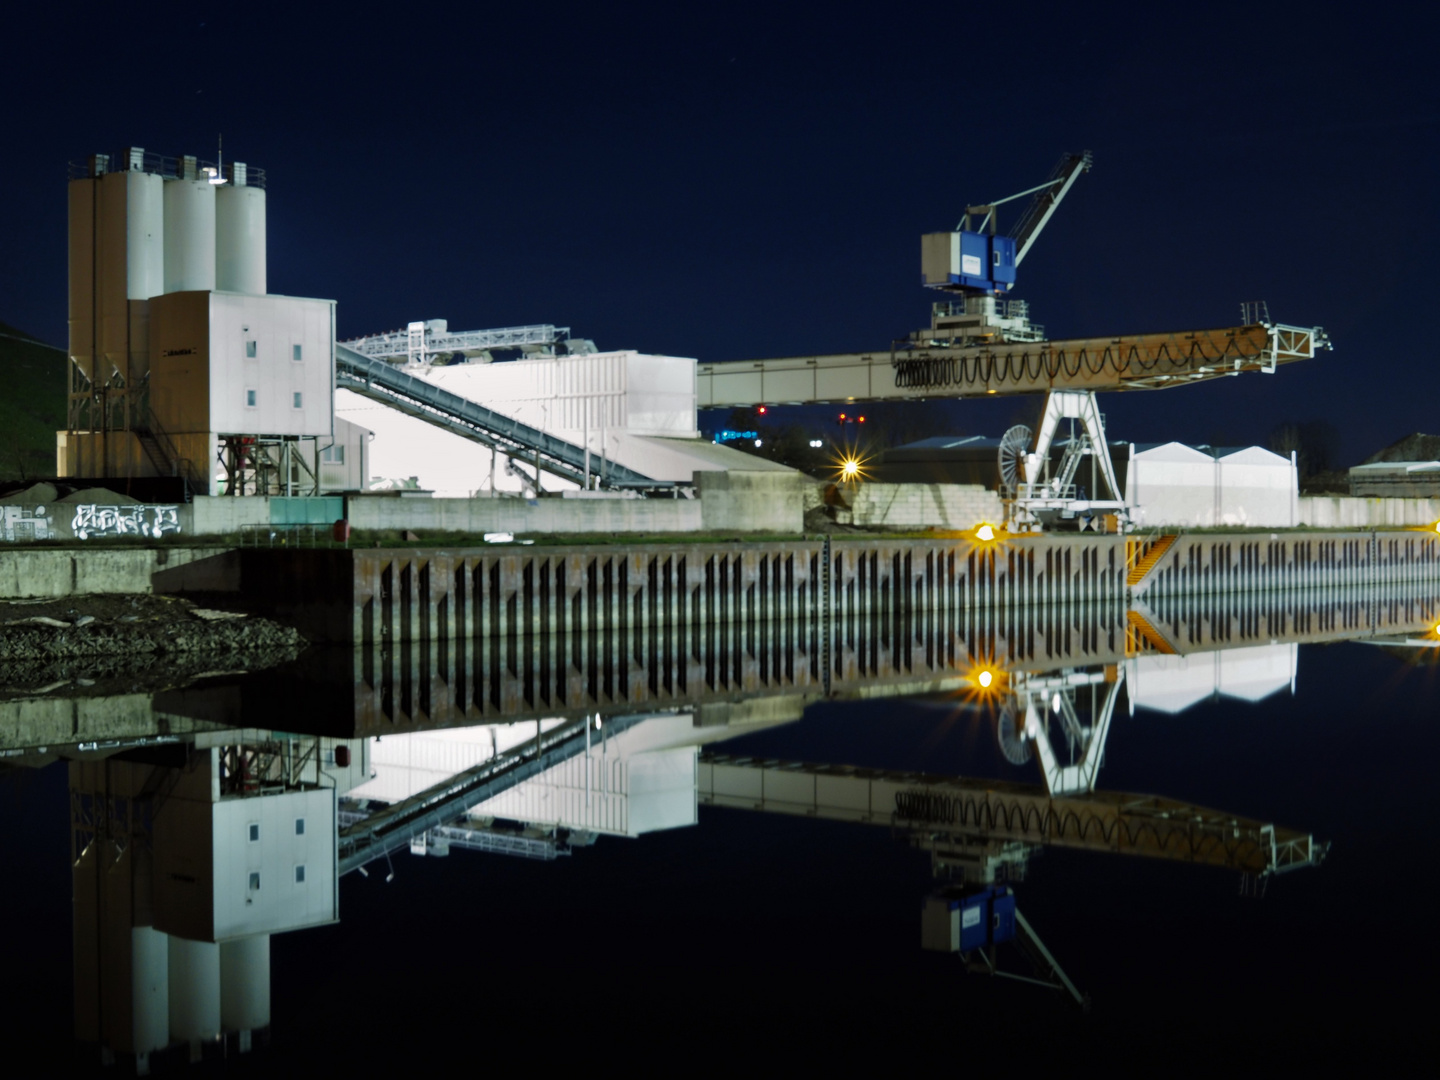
(986,534)
(850,467)
(987,680)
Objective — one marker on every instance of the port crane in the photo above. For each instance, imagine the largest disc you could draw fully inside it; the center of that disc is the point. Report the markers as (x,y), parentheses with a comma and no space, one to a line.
(981,342)
(978,265)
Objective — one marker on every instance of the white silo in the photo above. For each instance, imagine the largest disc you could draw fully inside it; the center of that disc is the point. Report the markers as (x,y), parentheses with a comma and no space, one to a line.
(194,990)
(245,983)
(240,235)
(129,264)
(189,232)
(149,989)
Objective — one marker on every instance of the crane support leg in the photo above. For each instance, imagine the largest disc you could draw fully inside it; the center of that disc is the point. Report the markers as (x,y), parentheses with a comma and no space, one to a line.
(1077,778)
(1041,497)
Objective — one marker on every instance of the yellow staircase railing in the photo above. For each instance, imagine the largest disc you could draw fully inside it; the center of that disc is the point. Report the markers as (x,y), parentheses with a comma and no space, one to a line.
(1140,632)
(1141,556)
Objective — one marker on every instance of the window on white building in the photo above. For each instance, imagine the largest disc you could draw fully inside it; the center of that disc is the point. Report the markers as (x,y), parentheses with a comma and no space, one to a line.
(254,831)
(250,350)
(250,399)
(299,398)
(300,875)
(333,455)
(296,353)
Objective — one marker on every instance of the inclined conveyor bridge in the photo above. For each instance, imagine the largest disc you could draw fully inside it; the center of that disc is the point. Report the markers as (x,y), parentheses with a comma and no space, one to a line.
(399,389)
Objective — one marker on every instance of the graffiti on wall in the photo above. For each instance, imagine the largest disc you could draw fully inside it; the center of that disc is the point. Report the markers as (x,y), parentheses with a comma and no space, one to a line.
(21,523)
(151,521)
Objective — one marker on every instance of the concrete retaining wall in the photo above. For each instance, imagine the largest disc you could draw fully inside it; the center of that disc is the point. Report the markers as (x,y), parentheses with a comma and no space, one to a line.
(476,516)
(37,573)
(919,506)
(728,502)
(1345,512)
(772,502)
(217,515)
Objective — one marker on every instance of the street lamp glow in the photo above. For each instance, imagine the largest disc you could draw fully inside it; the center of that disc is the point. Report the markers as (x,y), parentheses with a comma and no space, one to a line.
(849,469)
(985,533)
(985,678)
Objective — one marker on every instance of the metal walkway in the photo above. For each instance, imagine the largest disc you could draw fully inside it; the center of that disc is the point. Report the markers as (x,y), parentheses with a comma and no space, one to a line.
(383,382)
(392,829)
(420,341)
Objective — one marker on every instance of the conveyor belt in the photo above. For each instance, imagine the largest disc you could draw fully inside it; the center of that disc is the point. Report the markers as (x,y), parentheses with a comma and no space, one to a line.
(1141,362)
(423,400)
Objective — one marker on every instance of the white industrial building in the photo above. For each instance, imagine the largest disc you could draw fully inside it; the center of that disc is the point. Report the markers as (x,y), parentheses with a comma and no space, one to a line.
(637,781)
(1172,684)
(1179,485)
(181,363)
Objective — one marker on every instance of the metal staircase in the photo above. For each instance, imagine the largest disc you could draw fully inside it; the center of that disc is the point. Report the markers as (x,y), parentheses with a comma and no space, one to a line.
(163,456)
(1142,556)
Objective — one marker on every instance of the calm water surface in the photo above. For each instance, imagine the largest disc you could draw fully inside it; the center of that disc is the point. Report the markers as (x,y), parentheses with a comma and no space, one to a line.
(717,931)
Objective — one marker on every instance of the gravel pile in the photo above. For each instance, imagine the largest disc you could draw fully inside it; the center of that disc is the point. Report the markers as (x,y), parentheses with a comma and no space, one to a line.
(110,627)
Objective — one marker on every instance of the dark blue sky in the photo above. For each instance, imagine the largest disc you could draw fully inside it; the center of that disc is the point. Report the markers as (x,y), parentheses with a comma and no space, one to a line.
(745,182)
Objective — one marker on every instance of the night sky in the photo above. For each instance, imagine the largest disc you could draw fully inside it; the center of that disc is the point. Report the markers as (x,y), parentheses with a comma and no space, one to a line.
(732,183)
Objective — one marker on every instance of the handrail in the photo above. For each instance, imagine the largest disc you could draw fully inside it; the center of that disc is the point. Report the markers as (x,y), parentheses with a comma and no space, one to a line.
(184,466)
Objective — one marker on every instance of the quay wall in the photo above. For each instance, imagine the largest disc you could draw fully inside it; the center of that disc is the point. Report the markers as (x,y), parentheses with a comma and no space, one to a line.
(377,595)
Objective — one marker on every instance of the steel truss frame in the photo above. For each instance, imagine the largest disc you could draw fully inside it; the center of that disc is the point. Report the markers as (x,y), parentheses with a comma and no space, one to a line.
(1040,497)
(941,813)
(416,344)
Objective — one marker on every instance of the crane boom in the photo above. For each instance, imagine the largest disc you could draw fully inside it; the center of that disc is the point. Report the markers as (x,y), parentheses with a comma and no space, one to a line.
(1047,199)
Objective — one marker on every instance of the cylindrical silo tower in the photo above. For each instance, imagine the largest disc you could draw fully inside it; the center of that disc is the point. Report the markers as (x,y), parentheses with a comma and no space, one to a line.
(245,983)
(189,235)
(117,258)
(129,262)
(84,316)
(194,989)
(145,235)
(240,235)
(149,989)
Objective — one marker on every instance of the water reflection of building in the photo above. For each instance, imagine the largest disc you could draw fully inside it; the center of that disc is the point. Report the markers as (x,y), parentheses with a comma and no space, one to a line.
(1172,683)
(184,864)
(534,744)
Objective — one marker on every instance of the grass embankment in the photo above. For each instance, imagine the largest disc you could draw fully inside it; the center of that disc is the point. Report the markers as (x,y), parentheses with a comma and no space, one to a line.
(32,408)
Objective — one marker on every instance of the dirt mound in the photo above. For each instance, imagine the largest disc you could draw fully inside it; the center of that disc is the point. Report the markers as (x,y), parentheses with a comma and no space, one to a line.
(98,497)
(1416,447)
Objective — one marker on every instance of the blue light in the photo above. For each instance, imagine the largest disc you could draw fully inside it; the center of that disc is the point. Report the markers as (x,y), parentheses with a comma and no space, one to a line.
(727,435)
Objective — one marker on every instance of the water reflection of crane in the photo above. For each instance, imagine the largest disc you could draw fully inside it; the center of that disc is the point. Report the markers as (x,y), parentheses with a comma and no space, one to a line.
(981,832)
